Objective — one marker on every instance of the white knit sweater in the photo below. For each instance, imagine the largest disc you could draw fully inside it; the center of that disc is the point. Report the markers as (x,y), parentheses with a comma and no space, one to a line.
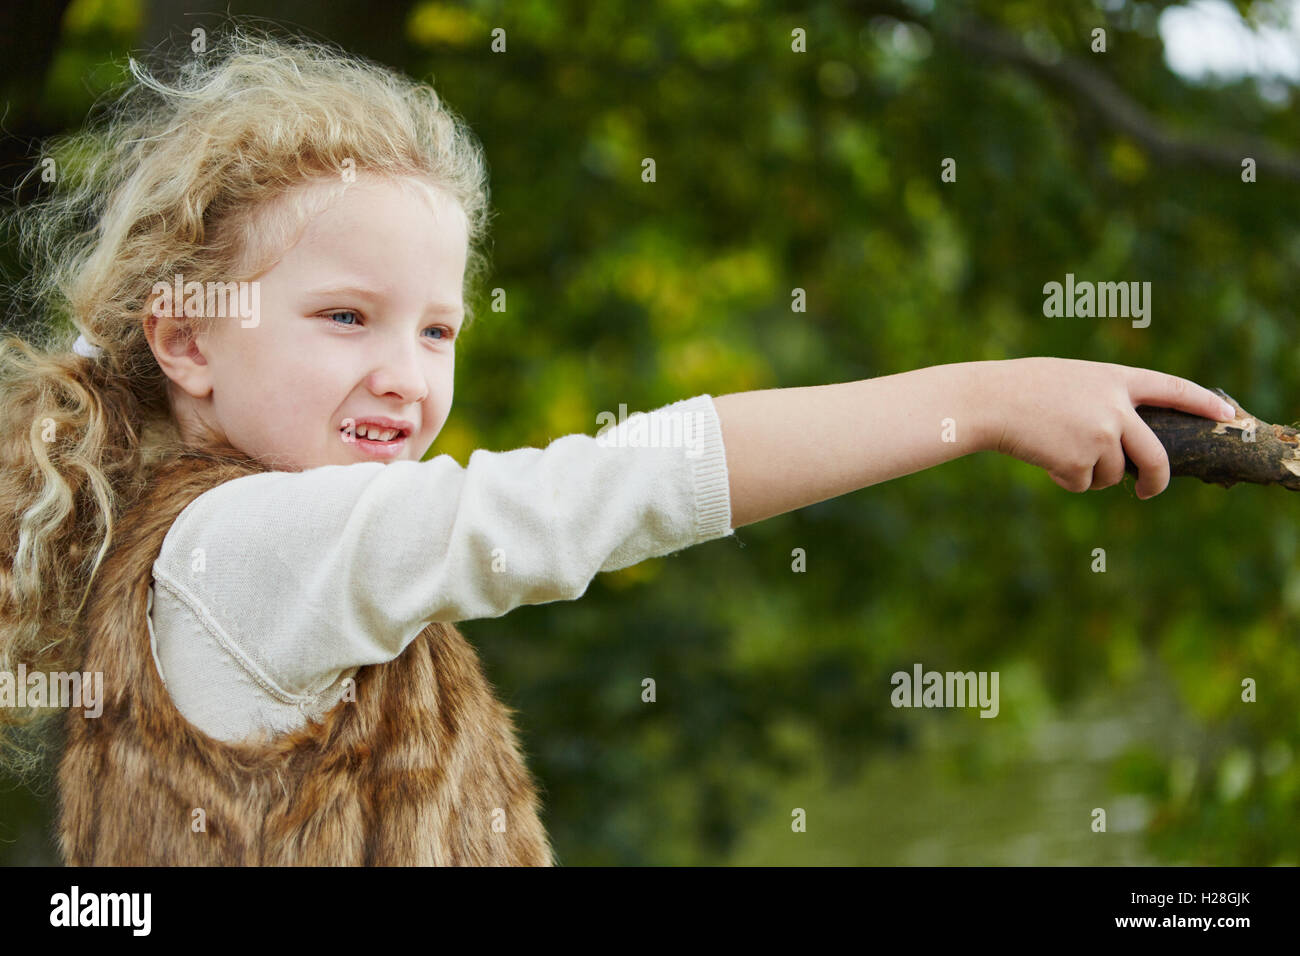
(272,589)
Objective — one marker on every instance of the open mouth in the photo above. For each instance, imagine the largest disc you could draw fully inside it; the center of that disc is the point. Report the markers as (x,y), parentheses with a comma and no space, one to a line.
(396,436)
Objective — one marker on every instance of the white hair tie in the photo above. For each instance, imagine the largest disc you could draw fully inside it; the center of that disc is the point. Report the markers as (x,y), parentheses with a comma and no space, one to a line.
(82,347)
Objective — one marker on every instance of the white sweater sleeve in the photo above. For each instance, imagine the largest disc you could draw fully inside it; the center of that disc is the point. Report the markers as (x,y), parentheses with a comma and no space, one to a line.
(300,576)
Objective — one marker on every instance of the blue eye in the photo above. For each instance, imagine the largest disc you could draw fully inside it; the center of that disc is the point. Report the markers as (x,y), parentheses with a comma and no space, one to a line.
(444,334)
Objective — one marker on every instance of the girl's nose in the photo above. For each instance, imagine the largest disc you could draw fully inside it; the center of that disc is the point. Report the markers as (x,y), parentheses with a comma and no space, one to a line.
(399,372)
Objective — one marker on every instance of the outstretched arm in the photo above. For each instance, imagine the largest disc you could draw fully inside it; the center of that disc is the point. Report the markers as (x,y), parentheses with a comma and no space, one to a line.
(791,447)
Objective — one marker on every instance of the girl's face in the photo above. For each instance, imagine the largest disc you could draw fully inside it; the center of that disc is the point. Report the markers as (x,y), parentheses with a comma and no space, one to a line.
(358,320)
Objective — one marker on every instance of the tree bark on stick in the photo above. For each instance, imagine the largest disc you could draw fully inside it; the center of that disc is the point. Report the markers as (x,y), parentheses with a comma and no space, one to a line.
(1225,453)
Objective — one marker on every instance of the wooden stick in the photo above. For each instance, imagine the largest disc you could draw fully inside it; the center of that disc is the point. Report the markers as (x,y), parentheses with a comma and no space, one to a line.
(1225,453)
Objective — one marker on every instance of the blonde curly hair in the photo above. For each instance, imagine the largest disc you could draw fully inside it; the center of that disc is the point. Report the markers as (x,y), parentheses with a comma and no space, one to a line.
(178,175)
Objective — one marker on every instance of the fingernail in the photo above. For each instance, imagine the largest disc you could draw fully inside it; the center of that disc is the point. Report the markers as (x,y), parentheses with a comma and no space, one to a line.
(1229,410)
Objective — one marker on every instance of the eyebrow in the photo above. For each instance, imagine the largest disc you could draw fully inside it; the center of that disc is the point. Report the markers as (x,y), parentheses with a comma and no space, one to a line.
(439,308)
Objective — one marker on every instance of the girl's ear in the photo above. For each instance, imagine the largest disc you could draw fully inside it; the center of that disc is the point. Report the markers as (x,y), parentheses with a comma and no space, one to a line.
(178,349)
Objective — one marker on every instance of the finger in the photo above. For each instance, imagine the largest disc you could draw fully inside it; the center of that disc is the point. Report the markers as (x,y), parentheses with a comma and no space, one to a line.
(1152,462)
(1109,469)
(1149,387)
(1077,484)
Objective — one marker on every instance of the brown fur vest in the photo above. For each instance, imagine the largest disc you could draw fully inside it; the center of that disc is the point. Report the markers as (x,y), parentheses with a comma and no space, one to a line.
(421,769)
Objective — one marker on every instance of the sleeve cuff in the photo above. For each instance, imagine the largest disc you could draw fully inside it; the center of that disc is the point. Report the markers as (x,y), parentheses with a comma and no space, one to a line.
(708,459)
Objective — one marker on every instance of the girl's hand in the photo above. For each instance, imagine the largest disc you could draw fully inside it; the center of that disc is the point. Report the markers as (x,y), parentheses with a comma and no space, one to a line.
(1076,419)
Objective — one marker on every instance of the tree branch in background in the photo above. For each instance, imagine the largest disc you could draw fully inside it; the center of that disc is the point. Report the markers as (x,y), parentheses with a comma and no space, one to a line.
(1103,95)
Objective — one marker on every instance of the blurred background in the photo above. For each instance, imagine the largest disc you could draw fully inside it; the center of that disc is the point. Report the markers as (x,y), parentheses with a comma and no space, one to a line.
(821,170)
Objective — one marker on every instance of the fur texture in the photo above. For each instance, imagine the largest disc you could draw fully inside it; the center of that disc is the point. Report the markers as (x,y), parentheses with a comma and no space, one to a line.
(416,771)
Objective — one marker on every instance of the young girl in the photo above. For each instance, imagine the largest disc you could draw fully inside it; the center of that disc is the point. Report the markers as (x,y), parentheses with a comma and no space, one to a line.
(216,499)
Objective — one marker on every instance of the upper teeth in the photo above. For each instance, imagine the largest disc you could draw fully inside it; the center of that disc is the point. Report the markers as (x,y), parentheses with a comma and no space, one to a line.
(375,433)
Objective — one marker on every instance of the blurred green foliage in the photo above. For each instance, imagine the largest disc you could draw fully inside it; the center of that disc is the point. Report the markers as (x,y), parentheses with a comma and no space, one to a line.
(778,170)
